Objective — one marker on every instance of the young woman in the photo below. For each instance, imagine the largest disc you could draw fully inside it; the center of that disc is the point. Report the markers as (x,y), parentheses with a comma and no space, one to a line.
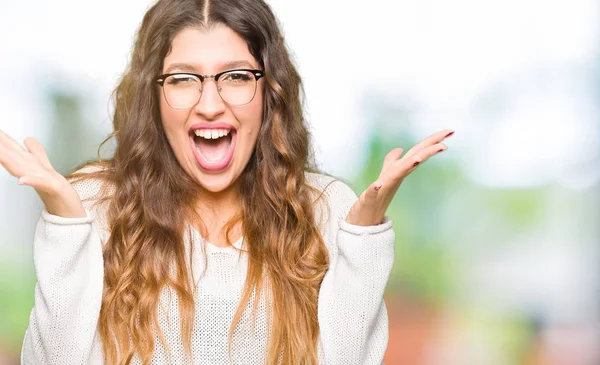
(208,238)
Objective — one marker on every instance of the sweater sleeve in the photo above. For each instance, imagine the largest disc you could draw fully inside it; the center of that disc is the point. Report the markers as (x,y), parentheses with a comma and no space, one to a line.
(352,314)
(68,293)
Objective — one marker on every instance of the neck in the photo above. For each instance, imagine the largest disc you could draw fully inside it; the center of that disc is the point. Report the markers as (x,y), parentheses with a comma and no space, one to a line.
(215,209)
(216,203)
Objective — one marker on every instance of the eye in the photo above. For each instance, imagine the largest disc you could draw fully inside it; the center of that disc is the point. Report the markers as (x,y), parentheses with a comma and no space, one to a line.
(237,77)
(182,79)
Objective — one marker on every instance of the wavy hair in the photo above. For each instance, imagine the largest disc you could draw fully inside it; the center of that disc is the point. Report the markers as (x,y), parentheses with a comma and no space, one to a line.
(145,250)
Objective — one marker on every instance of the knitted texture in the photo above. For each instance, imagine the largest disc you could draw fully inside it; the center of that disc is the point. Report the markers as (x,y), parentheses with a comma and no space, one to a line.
(351,312)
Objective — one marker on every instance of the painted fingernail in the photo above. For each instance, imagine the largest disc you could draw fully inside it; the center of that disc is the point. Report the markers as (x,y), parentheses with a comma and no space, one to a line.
(442,149)
(449,134)
(416,163)
(377,186)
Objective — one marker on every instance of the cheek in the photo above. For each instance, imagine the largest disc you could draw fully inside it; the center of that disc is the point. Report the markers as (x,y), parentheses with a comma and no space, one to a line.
(251,121)
(170,118)
(254,115)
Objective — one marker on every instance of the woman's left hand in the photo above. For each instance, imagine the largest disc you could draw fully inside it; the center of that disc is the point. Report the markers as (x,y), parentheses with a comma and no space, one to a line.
(372,204)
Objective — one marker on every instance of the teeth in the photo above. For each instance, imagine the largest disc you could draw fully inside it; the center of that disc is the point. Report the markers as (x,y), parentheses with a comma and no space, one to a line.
(211,133)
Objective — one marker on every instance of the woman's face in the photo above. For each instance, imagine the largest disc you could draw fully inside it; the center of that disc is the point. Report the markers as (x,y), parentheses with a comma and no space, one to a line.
(214,162)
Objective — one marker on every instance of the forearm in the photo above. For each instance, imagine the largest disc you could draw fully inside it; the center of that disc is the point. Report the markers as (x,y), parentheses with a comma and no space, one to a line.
(68,294)
(352,313)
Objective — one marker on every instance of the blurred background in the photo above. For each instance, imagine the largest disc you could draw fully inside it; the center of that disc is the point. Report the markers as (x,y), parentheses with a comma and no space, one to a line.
(497,259)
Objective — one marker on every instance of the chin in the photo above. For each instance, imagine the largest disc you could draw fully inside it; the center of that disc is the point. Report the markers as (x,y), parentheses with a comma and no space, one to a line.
(215,183)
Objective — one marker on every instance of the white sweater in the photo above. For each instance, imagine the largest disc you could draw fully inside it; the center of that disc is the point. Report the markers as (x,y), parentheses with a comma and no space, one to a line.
(351,311)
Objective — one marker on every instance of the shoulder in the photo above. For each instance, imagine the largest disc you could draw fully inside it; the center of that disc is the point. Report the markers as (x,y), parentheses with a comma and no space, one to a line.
(88,184)
(334,197)
(332,187)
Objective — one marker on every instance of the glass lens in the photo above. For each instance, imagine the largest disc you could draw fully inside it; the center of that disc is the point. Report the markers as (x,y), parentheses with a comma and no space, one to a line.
(237,87)
(182,91)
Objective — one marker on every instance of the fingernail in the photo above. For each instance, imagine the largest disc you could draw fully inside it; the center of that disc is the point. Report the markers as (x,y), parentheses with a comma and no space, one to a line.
(449,134)
(416,163)
(378,186)
(442,149)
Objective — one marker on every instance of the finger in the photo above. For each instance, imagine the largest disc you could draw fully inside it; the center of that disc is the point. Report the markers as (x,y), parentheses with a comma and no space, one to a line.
(423,156)
(38,151)
(9,164)
(11,161)
(12,145)
(431,140)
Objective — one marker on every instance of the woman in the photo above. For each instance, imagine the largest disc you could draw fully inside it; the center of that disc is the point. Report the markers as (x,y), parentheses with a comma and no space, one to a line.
(208,238)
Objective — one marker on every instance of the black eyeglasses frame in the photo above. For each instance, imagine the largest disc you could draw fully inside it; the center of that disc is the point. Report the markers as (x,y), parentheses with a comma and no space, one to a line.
(257,75)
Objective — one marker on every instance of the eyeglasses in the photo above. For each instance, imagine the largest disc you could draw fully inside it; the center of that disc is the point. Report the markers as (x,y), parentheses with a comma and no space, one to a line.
(183,90)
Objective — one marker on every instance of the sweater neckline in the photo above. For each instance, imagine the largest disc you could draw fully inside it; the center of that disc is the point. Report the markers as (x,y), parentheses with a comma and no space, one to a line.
(211,247)
(235,246)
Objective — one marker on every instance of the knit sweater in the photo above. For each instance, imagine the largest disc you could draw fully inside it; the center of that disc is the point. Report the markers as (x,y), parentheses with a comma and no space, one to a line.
(353,322)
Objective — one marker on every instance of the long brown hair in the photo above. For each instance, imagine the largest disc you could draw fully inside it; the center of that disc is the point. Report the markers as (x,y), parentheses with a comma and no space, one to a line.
(145,250)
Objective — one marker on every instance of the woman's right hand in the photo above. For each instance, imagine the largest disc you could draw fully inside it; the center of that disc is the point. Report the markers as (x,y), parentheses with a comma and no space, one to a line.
(33,168)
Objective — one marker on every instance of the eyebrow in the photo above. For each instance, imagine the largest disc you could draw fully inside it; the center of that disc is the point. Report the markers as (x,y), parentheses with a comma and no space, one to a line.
(222,66)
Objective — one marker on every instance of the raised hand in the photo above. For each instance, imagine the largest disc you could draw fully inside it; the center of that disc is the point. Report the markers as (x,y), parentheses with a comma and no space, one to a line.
(32,167)
(372,204)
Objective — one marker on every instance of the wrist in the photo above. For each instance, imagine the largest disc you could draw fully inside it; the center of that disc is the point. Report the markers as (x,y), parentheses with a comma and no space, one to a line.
(364,221)
(61,209)
(65,203)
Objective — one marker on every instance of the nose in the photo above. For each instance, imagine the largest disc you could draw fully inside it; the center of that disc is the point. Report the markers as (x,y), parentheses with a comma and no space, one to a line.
(210,104)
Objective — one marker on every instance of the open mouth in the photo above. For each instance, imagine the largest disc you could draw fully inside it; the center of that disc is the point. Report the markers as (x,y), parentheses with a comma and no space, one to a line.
(213,146)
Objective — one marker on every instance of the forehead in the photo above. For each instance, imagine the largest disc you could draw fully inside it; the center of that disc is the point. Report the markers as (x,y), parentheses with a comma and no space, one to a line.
(207,50)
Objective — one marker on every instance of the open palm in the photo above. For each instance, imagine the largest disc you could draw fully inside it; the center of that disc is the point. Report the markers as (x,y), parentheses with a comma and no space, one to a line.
(372,204)
(32,167)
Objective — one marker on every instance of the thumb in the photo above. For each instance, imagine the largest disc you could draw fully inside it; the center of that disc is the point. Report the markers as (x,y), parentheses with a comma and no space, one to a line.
(38,183)
(392,156)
